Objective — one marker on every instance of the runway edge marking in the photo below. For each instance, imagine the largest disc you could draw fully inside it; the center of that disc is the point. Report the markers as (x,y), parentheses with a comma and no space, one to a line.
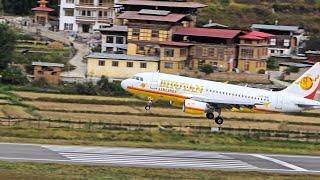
(283,163)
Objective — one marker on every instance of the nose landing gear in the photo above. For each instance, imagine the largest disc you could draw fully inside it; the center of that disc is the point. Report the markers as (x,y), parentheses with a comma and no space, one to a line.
(149,104)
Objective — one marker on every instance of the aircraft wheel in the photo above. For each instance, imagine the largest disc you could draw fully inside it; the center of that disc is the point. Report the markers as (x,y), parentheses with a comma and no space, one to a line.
(210,115)
(219,120)
(147,108)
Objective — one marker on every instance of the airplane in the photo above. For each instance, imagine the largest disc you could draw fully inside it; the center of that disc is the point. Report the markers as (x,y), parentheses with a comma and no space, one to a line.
(197,96)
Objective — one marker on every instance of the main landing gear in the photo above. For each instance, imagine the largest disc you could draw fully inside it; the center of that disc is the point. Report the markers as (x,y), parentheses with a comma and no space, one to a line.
(218,119)
(149,104)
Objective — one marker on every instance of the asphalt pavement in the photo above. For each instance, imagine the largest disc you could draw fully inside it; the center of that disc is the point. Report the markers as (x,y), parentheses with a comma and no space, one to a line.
(160,158)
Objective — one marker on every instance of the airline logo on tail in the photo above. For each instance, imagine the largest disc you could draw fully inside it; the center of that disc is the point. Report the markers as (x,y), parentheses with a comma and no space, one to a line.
(306,83)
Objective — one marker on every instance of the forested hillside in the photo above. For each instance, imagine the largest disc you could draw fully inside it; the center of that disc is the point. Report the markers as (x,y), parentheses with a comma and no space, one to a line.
(242,13)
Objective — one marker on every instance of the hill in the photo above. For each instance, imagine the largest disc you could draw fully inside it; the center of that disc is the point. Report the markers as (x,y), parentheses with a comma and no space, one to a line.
(242,13)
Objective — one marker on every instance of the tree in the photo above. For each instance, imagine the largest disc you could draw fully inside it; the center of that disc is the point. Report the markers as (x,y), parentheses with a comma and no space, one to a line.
(19,7)
(13,76)
(206,68)
(7,45)
(273,63)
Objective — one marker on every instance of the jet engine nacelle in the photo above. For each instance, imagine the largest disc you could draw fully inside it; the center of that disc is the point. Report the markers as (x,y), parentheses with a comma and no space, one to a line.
(195,107)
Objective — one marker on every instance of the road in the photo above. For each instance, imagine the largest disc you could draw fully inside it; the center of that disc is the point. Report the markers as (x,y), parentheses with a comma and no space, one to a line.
(77,60)
(140,157)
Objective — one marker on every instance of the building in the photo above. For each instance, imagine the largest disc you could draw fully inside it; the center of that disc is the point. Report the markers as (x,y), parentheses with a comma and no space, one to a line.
(253,51)
(174,56)
(49,71)
(150,23)
(114,39)
(313,56)
(217,47)
(175,7)
(41,13)
(119,66)
(288,40)
(85,16)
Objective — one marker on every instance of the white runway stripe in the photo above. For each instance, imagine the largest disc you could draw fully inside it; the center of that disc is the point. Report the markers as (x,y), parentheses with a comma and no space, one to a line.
(150,157)
(145,152)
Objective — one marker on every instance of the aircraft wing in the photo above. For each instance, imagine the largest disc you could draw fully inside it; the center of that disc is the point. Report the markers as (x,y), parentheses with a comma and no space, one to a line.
(224,103)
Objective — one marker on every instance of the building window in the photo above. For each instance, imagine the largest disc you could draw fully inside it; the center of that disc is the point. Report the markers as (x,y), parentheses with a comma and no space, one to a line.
(68,27)
(83,13)
(168,65)
(183,52)
(145,34)
(115,63)
(221,54)
(69,1)
(272,51)
(163,35)
(129,33)
(135,32)
(129,64)
(198,51)
(211,52)
(273,42)
(102,63)
(143,65)
(281,51)
(119,40)
(247,53)
(109,39)
(247,42)
(286,43)
(168,52)
(69,12)
(100,13)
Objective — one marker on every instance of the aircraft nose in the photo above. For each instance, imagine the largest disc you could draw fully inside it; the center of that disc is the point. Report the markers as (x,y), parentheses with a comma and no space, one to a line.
(125,84)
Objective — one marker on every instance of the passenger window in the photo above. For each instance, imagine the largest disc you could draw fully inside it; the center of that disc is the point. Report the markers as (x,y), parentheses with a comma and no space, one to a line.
(141,79)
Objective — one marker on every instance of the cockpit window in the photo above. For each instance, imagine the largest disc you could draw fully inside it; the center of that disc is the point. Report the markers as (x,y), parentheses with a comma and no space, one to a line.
(137,78)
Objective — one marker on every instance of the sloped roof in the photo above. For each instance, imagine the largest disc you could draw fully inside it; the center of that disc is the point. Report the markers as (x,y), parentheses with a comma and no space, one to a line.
(256,35)
(42,9)
(115,28)
(205,32)
(275,27)
(47,64)
(134,15)
(174,43)
(162,3)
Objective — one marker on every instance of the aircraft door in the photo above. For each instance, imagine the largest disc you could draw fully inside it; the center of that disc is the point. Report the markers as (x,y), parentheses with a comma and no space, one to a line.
(279,101)
(154,82)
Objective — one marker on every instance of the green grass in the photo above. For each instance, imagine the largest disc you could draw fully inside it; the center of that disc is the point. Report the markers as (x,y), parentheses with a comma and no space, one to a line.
(162,139)
(18,170)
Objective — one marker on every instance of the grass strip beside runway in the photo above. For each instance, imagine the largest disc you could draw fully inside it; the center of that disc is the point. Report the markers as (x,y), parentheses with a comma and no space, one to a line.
(162,139)
(19,170)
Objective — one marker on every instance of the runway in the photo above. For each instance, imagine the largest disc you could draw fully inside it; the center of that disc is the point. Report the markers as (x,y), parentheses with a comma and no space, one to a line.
(140,157)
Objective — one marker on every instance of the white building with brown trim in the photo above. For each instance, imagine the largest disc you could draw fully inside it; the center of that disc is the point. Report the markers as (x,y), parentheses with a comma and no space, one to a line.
(85,16)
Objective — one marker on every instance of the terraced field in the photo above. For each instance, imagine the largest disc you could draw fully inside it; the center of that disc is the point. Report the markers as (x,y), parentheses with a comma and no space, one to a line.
(57,108)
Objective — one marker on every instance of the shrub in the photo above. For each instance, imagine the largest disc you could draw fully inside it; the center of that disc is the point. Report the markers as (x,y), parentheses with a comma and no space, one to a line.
(14,76)
(206,68)
(41,82)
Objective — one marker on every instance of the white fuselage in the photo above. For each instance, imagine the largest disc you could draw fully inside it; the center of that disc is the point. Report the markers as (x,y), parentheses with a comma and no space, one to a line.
(179,87)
